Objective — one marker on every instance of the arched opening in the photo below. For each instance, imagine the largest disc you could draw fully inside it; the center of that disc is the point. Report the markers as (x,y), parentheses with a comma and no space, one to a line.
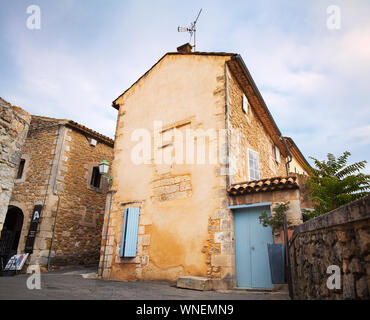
(11,233)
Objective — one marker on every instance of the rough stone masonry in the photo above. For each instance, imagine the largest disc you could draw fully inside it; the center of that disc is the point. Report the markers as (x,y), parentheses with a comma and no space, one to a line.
(341,238)
(14,124)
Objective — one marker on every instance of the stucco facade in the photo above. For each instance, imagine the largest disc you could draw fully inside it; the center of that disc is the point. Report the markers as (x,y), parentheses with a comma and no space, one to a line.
(185,227)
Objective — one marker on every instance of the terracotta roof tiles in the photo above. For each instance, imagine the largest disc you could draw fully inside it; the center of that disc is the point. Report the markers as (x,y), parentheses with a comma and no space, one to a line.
(264,185)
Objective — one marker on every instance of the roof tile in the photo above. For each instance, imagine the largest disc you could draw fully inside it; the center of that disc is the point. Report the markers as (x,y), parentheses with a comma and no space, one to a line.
(263,185)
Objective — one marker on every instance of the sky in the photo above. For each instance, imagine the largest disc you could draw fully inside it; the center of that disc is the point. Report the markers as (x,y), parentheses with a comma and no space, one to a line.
(315,80)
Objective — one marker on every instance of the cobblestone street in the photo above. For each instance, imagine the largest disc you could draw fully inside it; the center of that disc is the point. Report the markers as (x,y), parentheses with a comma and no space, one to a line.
(70,284)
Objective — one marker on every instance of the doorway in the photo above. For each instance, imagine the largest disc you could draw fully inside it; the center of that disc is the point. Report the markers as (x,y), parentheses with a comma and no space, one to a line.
(251,253)
(11,233)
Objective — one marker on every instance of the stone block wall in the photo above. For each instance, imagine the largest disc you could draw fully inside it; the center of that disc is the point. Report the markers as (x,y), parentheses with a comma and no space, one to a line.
(80,218)
(252,135)
(35,186)
(340,237)
(58,167)
(14,124)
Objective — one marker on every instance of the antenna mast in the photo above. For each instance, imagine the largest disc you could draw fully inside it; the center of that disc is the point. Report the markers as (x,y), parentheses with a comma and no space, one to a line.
(192,30)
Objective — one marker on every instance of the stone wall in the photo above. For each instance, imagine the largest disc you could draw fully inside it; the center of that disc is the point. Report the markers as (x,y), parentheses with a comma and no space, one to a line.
(81,213)
(340,237)
(58,167)
(14,124)
(35,186)
(252,135)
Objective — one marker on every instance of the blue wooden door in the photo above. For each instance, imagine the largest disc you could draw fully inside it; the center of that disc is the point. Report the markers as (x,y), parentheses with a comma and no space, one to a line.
(251,255)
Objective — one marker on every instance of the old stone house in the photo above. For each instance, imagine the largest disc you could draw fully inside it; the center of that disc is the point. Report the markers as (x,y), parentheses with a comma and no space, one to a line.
(57,204)
(197,157)
(14,123)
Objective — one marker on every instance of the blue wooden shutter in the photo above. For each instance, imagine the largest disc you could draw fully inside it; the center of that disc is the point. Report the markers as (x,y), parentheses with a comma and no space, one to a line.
(130,227)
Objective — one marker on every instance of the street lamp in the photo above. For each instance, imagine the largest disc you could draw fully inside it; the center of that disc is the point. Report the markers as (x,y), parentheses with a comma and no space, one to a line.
(103,170)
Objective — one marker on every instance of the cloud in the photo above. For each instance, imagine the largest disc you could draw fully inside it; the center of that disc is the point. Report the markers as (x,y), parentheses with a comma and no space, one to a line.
(314,80)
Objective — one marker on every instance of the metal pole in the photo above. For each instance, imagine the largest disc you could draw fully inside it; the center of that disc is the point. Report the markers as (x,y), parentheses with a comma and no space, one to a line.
(287,259)
(106,232)
(52,238)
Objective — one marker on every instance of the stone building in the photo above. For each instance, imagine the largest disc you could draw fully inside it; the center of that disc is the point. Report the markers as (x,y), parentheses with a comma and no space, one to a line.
(57,205)
(14,123)
(193,133)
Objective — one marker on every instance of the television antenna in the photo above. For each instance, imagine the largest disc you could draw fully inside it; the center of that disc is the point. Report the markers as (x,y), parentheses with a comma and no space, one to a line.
(192,30)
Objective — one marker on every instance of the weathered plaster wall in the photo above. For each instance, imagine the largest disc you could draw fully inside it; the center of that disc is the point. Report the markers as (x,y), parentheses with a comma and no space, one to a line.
(177,201)
(81,211)
(253,136)
(340,237)
(14,124)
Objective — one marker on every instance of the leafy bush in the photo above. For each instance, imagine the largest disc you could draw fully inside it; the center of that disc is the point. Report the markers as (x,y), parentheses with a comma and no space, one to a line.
(276,221)
(333,183)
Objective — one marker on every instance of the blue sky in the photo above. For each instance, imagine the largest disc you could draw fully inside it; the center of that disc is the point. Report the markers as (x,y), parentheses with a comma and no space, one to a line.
(314,80)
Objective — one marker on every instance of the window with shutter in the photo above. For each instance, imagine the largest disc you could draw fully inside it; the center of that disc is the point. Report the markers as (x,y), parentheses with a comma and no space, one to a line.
(253,165)
(130,227)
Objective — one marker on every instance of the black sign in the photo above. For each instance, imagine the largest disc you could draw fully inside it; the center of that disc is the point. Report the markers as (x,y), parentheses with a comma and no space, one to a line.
(33,228)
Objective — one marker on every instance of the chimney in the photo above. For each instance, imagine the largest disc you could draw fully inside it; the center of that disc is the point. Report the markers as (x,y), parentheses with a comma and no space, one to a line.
(185,48)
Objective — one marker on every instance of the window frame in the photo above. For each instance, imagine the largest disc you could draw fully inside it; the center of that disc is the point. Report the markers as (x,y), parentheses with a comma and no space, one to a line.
(93,177)
(245,104)
(251,151)
(22,164)
(277,154)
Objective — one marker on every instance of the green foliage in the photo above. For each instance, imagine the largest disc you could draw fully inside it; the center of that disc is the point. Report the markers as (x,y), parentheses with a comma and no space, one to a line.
(333,183)
(276,221)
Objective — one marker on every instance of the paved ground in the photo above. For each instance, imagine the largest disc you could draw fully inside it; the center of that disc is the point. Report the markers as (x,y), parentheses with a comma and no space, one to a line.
(70,284)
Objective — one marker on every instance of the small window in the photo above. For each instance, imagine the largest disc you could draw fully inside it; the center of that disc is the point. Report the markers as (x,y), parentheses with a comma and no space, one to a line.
(277,154)
(254,167)
(21,168)
(95,177)
(296,170)
(245,104)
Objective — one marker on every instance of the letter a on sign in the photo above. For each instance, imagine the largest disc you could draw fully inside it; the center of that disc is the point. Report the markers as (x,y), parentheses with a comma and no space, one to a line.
(36,215)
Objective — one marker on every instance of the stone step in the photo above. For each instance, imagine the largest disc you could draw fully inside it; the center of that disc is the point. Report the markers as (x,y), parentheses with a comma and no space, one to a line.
(195,283)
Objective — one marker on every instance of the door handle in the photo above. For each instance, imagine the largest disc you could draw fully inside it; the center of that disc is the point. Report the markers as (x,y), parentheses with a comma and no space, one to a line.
(252,248)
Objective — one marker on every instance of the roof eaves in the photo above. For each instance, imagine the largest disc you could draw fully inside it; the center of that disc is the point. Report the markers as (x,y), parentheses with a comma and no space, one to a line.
(95,134)
(80,127)
(293,144)
(247,74)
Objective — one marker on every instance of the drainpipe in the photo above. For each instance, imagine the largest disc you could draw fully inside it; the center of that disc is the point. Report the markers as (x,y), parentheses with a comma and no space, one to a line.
(106,232)
(227,126)
(52,237)
(290,155)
